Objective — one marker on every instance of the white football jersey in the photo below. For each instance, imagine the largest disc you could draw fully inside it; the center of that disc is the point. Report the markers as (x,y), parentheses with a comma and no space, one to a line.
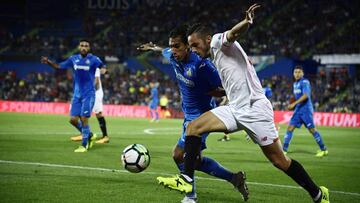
(99,92)
(237,74)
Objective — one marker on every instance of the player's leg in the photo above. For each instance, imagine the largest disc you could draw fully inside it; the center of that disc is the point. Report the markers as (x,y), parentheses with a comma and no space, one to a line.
(152,112)
(102,124)
(75,111)
(86,109)
(76,122)
(310,125)
(295,121)
(295,170)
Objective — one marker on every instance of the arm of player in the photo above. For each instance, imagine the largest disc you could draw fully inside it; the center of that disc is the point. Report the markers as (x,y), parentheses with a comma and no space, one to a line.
(97,78)
(218,92)
(303,98)
(46,60)
(150,47)
(242,26)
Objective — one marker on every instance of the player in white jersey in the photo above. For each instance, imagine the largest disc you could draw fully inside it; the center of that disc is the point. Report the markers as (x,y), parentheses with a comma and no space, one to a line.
(98,109)
(248,108)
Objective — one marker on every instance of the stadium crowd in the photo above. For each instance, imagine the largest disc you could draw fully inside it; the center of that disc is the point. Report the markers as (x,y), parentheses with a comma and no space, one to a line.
(283,28)
(331,91)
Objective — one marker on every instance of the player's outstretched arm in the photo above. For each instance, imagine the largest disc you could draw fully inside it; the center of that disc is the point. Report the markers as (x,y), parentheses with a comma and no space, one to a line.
(150,46)
(242,26)
(46,60)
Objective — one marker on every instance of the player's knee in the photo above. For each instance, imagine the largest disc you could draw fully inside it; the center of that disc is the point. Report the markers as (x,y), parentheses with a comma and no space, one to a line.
(193,129)
(73,121)
(282,164)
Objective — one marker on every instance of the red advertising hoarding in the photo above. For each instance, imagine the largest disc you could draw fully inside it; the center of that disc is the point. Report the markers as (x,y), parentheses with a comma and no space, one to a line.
(282,117)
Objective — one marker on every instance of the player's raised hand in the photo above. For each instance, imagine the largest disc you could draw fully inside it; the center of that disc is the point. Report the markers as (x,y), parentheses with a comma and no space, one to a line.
(44,60)
(147,46)
(250,13)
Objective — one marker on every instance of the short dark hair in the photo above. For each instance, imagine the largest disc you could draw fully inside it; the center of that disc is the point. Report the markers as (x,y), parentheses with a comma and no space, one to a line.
(84,40)
(299,67)
(179,31)
(200,29)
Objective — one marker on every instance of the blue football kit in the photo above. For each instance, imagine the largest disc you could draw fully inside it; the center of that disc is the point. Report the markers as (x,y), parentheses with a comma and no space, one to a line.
(84,88)
(303,113)
(83,81)
(196,78)
(154,103)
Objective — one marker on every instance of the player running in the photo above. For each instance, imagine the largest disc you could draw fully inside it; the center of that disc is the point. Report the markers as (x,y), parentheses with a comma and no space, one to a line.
(84,66)
(248,108)
(196,78)
(303,113)
(98,109)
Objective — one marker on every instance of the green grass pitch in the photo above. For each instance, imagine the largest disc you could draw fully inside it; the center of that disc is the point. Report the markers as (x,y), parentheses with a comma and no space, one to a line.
(37,163)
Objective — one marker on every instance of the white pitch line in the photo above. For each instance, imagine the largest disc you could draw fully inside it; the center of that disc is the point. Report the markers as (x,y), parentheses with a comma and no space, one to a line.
(155,173)
(152,131)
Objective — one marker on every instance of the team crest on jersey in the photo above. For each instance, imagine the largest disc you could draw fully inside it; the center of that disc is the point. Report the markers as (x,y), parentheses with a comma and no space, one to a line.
(189,73)
(87,61)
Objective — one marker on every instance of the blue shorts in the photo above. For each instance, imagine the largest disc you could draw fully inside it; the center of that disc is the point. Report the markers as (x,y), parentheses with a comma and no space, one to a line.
(82,106)
(154,105)
(181,141)
(300,118)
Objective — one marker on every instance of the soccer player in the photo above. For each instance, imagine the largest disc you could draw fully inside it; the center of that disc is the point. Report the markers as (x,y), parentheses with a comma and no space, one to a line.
(84,66)
(303,113)
(98,108)
(197,79)
(154,102)
(248,108)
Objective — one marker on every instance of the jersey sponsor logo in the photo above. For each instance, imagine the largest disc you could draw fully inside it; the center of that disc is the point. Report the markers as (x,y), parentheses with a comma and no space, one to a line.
(182,78)
(297,91)
(76,67)
(189,73)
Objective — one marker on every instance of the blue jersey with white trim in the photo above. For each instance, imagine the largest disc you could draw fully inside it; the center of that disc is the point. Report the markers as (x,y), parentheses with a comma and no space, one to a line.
(196,78)
(83,72)
(301,87)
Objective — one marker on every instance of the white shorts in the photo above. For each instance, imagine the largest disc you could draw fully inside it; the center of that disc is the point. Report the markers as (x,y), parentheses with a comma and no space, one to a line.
(98,106)
(257,120)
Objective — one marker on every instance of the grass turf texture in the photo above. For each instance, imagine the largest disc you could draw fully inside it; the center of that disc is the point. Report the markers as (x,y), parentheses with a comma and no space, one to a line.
(97,176)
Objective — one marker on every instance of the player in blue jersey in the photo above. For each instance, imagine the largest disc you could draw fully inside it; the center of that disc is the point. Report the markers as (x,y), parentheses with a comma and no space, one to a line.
(154,102)
(198,80)
(303,113)
(84,66)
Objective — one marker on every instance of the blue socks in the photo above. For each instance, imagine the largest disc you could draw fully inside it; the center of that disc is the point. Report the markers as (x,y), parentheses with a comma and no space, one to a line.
(319,140)
(213,168)
(316,135)
(287,140)
(210,167)
(86,133)
(79,126)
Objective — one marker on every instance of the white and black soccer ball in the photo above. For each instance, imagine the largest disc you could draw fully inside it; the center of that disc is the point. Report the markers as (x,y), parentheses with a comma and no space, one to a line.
(135,158)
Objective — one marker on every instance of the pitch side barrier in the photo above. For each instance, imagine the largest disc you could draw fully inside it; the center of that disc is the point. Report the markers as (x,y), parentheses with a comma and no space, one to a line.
(134,111)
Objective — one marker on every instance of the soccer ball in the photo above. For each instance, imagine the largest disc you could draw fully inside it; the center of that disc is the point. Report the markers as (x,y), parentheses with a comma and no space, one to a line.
(135,158)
